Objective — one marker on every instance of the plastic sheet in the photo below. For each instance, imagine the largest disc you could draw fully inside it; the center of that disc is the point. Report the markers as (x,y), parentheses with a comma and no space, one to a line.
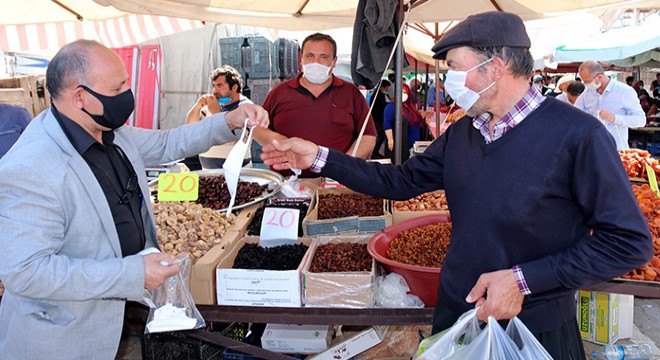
(392,292)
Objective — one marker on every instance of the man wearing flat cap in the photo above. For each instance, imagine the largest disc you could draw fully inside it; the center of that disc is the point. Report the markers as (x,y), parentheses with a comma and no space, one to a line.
(540,204)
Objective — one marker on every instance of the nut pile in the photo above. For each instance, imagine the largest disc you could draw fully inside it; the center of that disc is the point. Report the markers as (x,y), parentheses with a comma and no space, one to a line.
(189,227)
(649,203)
(428,201)
(283,257)
(213,192)
(341,257)
(255,226)
(422,246)
(333,206)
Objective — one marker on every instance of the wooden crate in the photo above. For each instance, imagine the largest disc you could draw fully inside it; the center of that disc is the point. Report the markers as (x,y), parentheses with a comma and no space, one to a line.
(23,91)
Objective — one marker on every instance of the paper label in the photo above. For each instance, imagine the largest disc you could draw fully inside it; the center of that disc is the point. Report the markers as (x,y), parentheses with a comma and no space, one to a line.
(279,226)
(178,187)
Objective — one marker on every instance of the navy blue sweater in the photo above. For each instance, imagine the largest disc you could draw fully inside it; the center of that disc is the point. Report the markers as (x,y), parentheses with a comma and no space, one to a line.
(530,198)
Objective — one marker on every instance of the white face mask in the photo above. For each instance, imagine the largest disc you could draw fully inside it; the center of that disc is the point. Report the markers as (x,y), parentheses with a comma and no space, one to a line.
(456,88)
(592,85)
(234,163)
(316,73)
(404,97)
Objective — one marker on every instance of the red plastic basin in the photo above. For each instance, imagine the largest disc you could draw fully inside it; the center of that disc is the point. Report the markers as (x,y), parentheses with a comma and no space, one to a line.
(423,281)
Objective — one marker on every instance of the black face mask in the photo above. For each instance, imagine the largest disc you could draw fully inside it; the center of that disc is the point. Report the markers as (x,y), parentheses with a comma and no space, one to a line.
(116,109)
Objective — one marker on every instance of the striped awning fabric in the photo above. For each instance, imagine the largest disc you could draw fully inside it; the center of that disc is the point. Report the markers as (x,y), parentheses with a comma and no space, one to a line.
(117,32)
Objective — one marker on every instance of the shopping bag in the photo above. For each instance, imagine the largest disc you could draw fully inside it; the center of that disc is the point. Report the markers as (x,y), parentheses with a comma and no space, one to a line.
(444,344)
(492,343)
(171,306)
(530,348)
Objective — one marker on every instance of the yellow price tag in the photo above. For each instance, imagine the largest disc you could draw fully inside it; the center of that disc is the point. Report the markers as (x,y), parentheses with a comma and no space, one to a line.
(653,182)
(178,187)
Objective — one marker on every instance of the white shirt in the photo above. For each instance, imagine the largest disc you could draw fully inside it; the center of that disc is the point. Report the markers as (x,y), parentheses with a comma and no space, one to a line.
(563,97)
(622,101)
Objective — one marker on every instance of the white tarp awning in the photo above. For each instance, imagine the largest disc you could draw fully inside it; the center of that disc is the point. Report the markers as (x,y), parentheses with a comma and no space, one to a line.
(636,45)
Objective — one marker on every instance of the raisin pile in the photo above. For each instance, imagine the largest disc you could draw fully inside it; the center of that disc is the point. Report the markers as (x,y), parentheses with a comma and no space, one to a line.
(283,257)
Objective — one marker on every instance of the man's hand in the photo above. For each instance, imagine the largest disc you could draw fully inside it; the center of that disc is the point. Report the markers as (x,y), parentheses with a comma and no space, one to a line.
(606,115)
(156,273)
(497,294)
(293,153)
(212,104)
(257,115)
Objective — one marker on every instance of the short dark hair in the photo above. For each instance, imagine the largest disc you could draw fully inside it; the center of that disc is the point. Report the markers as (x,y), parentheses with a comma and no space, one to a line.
(519,60)
(69,66)
(321,37)
(232,76)
(385,83)
(575,88)
(630,79)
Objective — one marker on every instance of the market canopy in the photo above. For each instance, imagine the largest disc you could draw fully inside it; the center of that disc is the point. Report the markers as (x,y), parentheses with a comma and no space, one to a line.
(636,45)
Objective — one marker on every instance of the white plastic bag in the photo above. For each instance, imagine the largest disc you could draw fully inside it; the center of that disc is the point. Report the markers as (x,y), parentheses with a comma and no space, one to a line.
(442,345)
(171,305)
(392,292)
(492,344)
(530,348)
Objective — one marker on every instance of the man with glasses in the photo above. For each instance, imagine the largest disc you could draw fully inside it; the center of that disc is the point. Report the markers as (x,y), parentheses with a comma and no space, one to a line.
(610,101)
(540,204)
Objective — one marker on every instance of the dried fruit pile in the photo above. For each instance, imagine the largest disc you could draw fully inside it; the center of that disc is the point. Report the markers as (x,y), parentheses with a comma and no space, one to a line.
(649,203)
(213,192)
(428,201)
(422,246)
(634,161)
(341,257)
(334,206)
(189,227)
(283,257)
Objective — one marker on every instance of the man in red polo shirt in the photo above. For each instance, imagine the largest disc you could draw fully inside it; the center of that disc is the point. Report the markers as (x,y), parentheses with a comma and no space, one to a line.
(318,106)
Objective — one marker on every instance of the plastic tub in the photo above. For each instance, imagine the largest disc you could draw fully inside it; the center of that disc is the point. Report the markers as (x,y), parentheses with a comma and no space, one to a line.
(423,281)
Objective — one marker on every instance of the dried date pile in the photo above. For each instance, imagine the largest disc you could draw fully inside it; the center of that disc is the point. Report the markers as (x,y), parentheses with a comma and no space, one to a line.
(283,257)
(255,225)
(341,257)
(189,227)
(334,206)
(422,246)
(213,192)
(428,201)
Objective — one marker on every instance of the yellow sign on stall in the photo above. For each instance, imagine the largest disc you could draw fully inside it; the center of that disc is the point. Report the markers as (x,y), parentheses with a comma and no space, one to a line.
(178,187)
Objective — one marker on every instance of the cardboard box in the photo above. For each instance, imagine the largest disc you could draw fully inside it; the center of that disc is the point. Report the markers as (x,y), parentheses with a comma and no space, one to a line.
(338,289)
(242,287)
(301,339)
(354,345)
(604,318)
(202,273)
(346,225)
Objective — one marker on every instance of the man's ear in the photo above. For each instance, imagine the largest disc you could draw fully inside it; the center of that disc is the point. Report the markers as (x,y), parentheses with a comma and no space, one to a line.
(498,68)
(77,98)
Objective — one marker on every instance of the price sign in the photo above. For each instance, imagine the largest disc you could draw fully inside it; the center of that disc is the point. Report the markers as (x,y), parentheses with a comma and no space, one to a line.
(653,182)
(279,226)
(178,186)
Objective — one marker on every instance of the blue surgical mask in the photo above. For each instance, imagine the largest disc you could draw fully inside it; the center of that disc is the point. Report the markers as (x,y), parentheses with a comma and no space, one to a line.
(224,100)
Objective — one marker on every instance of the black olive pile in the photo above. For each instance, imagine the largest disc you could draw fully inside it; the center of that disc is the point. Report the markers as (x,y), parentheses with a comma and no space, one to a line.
(283,257)
(255,225)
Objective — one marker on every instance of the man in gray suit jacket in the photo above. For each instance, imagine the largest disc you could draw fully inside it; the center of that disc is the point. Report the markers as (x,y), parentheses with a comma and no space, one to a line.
(75,209)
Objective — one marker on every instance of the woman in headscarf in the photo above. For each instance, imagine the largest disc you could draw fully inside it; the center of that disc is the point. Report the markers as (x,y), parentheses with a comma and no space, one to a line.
(413,125)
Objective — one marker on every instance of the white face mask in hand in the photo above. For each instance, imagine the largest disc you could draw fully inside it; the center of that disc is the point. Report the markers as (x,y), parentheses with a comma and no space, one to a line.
(234,163)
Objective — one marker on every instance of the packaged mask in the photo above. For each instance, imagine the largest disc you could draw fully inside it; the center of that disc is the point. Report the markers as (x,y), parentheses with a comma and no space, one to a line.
(234,163)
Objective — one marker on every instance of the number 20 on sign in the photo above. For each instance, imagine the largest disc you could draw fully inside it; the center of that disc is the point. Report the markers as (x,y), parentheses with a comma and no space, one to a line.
(178,187)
